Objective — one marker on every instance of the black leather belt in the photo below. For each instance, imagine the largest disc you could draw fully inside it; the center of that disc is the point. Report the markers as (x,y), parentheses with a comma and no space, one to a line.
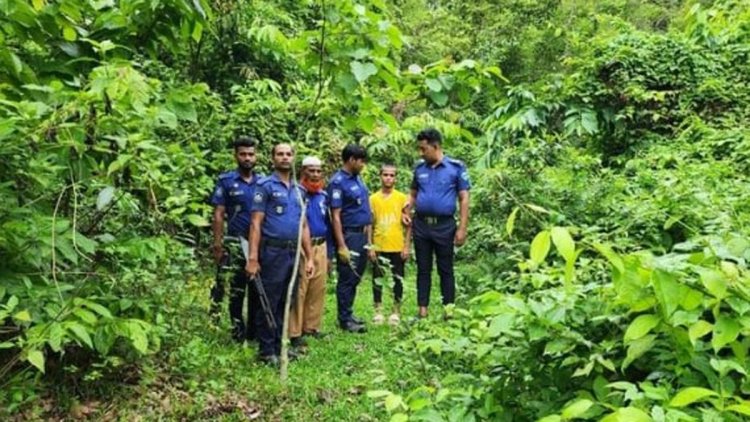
(434,220)
(318,241)
(354,229)
(278,243)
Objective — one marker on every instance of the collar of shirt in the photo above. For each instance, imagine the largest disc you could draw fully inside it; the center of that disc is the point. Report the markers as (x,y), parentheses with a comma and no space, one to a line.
(238,176)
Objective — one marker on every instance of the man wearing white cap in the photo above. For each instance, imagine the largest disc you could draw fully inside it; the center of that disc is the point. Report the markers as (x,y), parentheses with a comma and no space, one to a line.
(307,310)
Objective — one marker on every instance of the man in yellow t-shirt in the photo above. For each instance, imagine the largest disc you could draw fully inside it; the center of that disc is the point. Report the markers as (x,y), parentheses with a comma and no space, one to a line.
(390,241)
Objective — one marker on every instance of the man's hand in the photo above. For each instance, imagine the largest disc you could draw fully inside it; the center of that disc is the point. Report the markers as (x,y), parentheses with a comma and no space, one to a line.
(405,219)
(405,253)
(460,236)
(372,255)
(218,251)
(252,268)
(309,267)
(344,255)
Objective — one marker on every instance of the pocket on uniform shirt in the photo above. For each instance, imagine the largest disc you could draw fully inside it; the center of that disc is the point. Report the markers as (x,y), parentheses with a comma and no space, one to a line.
(279,207)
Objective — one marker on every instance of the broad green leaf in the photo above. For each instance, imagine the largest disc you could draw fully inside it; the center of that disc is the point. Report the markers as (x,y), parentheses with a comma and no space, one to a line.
(742,408)
(69,33)
(439,98)
(698,330)
(725,366)
(691,395)
(362,71)
(726,331)
(197,220)
(668,291)
(715,282)
(86,316)
(99,309)
(637,348)
(81,332)
(627,414)
(550,418)
(138,337)
(564,243)
(434,84)
(510,223)
(38,4)
(23,316)
(613,258)
(540,247)
(376,394)
(197,32)
(393,402)
(36,358)
(576,409)
(399,417)
(104,197)
(641,326)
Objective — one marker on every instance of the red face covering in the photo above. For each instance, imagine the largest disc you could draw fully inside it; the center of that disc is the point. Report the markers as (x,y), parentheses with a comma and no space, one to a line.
(313,187)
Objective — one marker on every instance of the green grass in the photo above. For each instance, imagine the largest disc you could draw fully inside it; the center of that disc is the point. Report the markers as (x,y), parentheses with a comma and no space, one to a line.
(203,374)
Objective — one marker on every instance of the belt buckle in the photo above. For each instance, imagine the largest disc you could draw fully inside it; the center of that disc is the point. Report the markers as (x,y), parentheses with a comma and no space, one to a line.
(431,220)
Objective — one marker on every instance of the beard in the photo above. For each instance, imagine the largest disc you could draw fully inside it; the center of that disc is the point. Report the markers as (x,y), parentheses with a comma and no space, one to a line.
(246,165)
(312,187)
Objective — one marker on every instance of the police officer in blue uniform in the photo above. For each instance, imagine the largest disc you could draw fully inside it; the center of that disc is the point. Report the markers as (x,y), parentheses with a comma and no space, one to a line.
(232,198)
(276,212)
(351,220)
(438,183)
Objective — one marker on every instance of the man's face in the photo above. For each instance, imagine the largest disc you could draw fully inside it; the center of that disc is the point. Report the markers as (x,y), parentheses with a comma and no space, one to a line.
(428,152)
(313,173)
(388,177)
(245,157)
(358,164)
(283,156)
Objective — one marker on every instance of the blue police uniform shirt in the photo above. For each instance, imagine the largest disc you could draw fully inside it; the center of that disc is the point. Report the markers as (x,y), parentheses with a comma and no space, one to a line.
(281,205)
(317,213)
(236,195)
(437,187)
(348,192)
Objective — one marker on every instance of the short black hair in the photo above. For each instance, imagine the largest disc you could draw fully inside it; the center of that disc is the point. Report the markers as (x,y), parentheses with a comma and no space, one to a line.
(388,166)
(431,135)
(244,141)
(273,148)
(355,151)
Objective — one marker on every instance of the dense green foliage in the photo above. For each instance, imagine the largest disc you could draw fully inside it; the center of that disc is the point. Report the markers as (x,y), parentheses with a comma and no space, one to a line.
(606,273)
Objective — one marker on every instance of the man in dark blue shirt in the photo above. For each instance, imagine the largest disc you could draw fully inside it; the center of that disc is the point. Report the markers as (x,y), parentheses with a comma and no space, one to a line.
(276,213)
(351,222)
(232,199)
(438,182)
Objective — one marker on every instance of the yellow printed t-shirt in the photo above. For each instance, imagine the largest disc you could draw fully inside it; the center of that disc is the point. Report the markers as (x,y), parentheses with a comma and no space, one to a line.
(388,233)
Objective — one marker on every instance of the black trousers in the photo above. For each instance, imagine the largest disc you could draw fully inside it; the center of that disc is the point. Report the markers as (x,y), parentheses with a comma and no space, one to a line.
(241,290)
(396,264)
(434,240)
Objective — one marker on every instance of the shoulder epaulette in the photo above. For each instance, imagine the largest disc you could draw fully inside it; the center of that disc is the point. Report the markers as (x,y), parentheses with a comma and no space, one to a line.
(263,180)
(227,175)
(419,163)
(455,162)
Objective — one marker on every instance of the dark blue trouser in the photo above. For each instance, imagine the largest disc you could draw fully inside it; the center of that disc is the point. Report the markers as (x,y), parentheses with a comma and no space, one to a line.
(350,274)
(276,265)
(437,239)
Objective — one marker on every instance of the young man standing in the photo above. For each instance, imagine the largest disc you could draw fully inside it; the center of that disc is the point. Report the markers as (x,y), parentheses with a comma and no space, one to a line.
(438,183)
(390,241)
(351,219)
(307,310)
(232,199)
(276,213)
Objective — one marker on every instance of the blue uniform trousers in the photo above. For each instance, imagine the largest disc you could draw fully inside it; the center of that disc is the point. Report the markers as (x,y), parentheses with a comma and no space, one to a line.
(349,275)
(434,239)
(276,265)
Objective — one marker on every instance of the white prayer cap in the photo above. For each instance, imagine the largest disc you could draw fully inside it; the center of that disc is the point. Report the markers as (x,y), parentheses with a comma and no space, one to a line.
(311,161)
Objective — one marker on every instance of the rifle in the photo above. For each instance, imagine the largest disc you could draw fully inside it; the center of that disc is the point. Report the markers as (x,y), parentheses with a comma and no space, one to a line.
(265,304)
